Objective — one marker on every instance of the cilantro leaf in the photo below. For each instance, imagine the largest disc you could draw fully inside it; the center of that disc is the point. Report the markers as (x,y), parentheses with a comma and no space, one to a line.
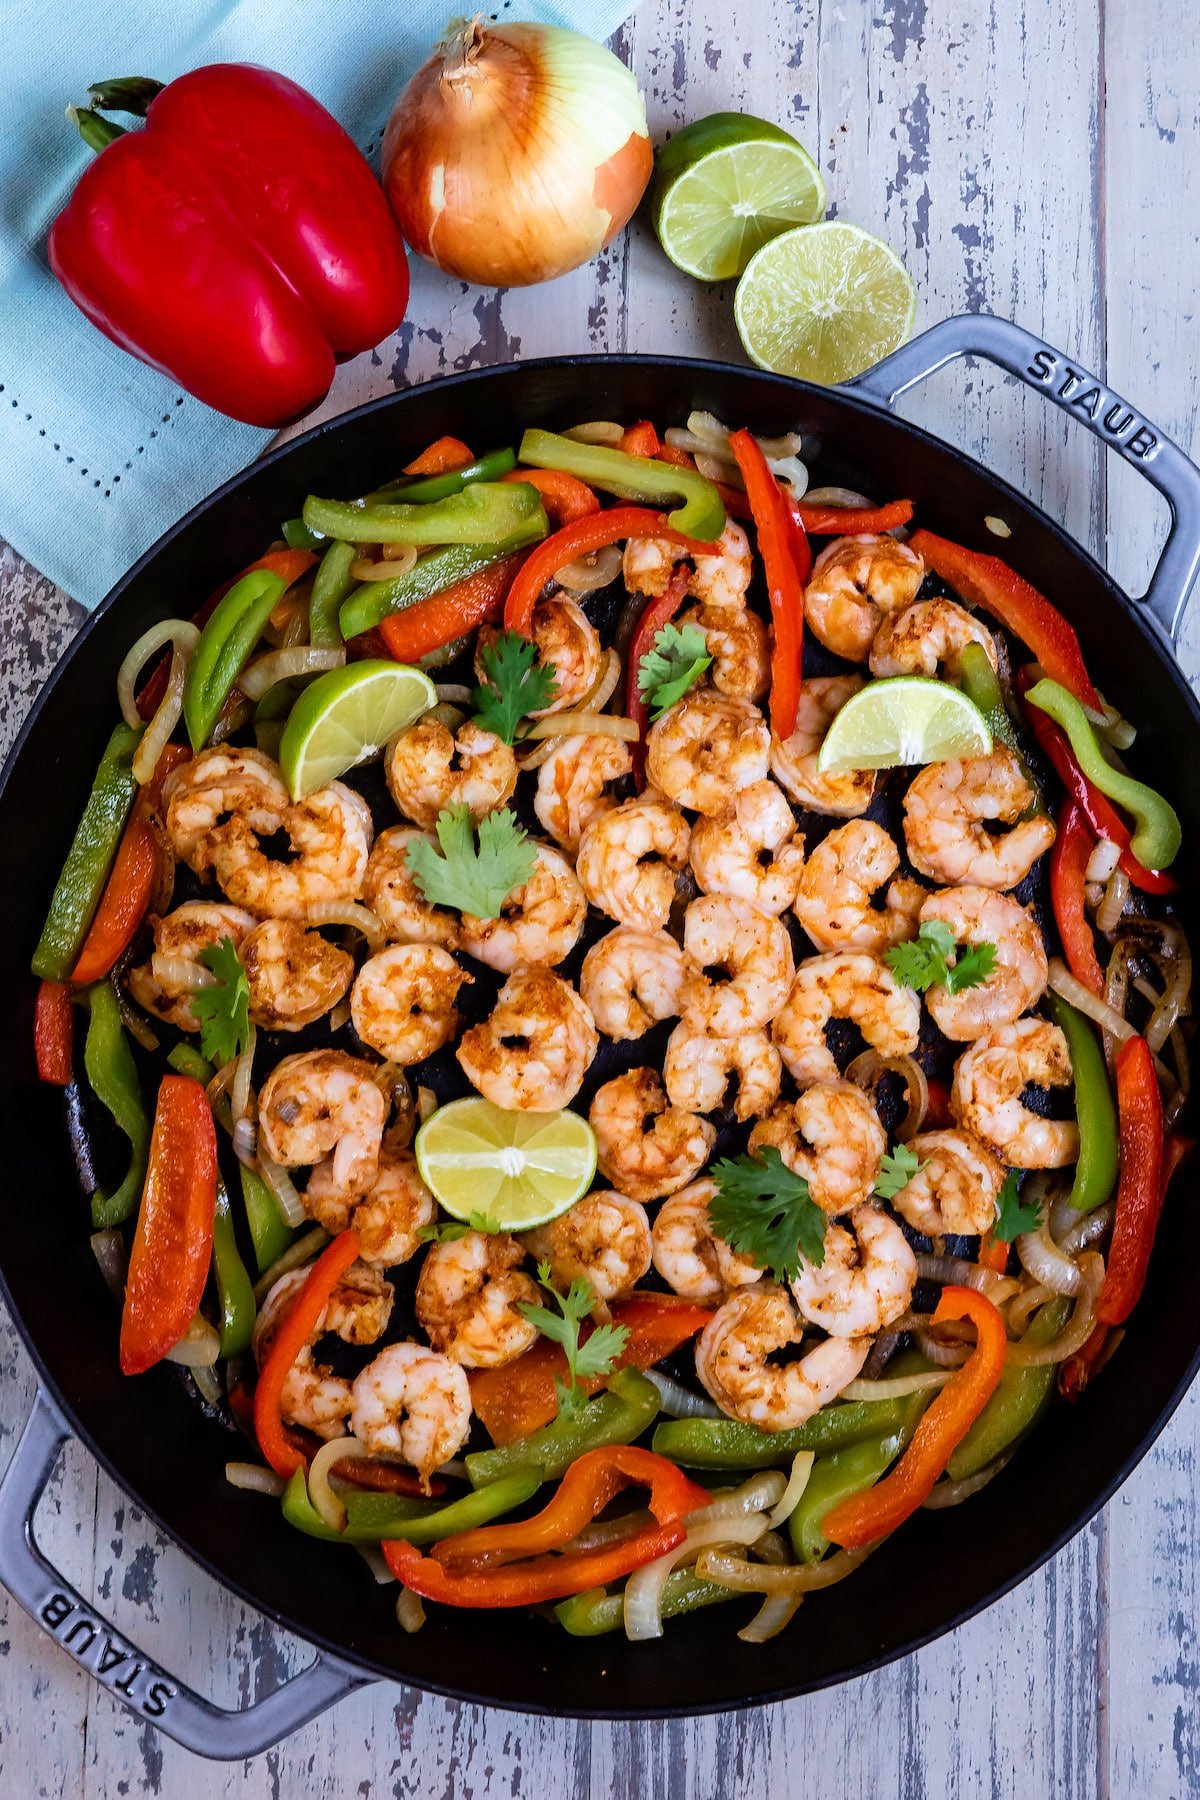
(448,1231)
(223,1009)
(476,881)
(516,684)
(594,1356)
(924,962)
(973,966)
(896,1171)
(765,1212)
(1011,1217)
(676,662)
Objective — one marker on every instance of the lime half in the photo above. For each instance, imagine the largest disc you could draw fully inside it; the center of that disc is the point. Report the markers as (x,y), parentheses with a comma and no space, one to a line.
(824,303)
(345,717)
(520,1169)
(726,185)
(909,719)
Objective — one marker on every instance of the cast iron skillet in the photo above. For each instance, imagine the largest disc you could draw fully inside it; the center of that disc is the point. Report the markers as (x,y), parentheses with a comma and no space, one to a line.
(150,1437)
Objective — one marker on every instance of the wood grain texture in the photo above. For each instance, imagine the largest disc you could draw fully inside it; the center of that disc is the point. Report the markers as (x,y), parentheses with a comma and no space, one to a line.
(1028,158)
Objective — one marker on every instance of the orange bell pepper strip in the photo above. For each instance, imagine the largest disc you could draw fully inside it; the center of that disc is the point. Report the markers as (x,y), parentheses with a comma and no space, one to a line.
(172,1244)
(533,1583)
(787,559)
(452,612)
(580,538)
(297,1327)
(851,521)
(863,1517)
(564,496)
(993,1254)
(640,440)
(53,1032)
(1140,1188)
(1069,858)
(444,454)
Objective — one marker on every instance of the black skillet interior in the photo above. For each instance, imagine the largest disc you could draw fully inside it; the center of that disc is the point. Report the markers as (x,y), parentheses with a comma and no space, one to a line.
(148,1432)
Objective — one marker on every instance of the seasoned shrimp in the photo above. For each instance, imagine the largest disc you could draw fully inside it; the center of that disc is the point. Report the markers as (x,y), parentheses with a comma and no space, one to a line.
(324,1103)
(716,580)
(866,1280)
(468,1297)
(843,984)
(693,1261)
(920,639)
(752,955)
(706,748)
(605,1238)
(985,1095)
(740,647)
(411,1402)
(979,915)
(736,1360)
(628,859)
(699,1068)
(794,759)
(222,793)
(294,975)
(540,922)
(946,814)
(162,985)
(428,769)
(357,1311)
(402,1002)
(834,899)
(645,1146)
(329,833)
(753,853)
(573,783)
(855,583)
(533,1051)
(955,1187)
(832,1136)
(389,1218)
(566,643)
(631,979)
(394,897)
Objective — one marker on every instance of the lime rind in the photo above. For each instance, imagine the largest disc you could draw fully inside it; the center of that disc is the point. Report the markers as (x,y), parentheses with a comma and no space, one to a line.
(520,1169)
(345,717)
(901,722)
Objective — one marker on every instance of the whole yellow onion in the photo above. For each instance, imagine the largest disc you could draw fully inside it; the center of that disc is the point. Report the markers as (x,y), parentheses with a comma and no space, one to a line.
(516,152)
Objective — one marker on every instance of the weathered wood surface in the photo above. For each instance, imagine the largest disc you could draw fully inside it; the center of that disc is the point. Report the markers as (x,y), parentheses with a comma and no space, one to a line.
(1033,159)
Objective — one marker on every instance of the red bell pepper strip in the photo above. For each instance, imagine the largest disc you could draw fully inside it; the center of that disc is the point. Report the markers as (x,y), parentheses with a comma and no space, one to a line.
(1069,858)
(658,612)
(788,563)
(852,521)
(533,1583)
(385,1478)
(298,1325)
(987,581)
(283,253)
(640,440)
(993,1254)
(53,1032)
(429,624)
(172,1244)
(579,539)
(127,894)
(1140,1188)
(564,496)
(937,1109)
(863,1517)
(444,454)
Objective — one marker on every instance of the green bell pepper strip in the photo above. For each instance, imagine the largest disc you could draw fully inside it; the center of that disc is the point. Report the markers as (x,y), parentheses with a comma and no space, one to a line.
(699,513)
(235,1292)
(980,683)
(627,1408)
(374,600)
(595,1612)
(297,536)
(224,649)
(332,586)
(835,1478)
(730,1444)
(1095,1110)
(373,1518)
(1021,1395)
(81,881)
(482,514)
(1157,833)
(269,1234)
(113,1078)
(185,1059)
(424,488)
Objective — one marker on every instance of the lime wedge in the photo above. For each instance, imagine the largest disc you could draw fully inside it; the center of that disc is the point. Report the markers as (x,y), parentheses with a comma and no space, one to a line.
(909,719)
(520,1169)
(824,303)
(346,717)
(726,185)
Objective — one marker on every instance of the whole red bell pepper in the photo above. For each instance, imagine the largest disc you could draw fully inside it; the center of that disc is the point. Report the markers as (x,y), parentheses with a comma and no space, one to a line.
(172,1244)
(787,559)
(238,242)
(1069,859)
(1140,1190)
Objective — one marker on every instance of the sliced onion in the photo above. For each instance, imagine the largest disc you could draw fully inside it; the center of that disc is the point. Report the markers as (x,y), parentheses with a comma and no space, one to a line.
(957,1272)
(898,1387)
(759,1494)
(340,1015)
(199,1347)
(1098,1011)
(644,1589)
(1022,1307)
(1116,898)
(427,1103)
(597,431)
(254,1479)
(167,713)
(374,1558)
(349,912)
(583,724)
(1078,1328)
(112,1255)
(326,1502)
(605,683)
(761,1578)
(167,631)
(364,568)
(260,676)
(997,526)
(869,1069)
(1088,1230)
(245,1141)
(239,1086)
(602,1533)
(1043,1259)
(678,1402)
(772,1547)
(294,1257)
(935,1350)
(283,1190)
(588,574)
(773,1616)
(706,432)
(1103,860)
(850,498)
(953,1493)
(180,973)
(454,693)
(231,720)
(410,1610)
(789,1500)
(207,1383)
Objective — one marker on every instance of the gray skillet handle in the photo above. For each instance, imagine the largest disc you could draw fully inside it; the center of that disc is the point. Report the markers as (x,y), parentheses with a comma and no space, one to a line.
(1067,384)
(130,1676)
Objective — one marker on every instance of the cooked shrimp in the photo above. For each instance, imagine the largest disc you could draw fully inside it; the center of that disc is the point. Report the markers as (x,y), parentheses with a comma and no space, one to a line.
(428,769)
(832,1136)
(632,979)
(324,1103)
(533,1051)
(329,833)
(357,1311)
(955,1187)
(468,1297)
(693,1261)
(924,636)
(294,975)
(540,922)
(566,643)
(753,853)
(402,1002)
(843,984)
(605,1238)
(411,1402)
(394,897)
(985,1095)
(706,748)
(716,580)
(834,899)
(794,759)
(179,936)
(573,783)
(979,915)
(740,647)
(946,814)
(752,955)
(855,583)
(699,1068)
(736,1361)
(389,1218)
(221,793)
(628,859)
(865,1281)
(646,1147)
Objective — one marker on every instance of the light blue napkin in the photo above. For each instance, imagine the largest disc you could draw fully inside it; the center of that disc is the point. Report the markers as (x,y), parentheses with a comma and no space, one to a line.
(99,454)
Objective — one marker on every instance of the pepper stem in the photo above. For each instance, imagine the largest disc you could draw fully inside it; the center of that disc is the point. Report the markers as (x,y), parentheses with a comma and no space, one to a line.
(97,133)
(125,94)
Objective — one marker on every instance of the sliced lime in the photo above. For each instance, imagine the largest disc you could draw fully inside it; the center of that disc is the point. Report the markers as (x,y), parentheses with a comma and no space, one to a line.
(824,303)
(519,1169)
(909,719)
(345,717)
(725,186)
